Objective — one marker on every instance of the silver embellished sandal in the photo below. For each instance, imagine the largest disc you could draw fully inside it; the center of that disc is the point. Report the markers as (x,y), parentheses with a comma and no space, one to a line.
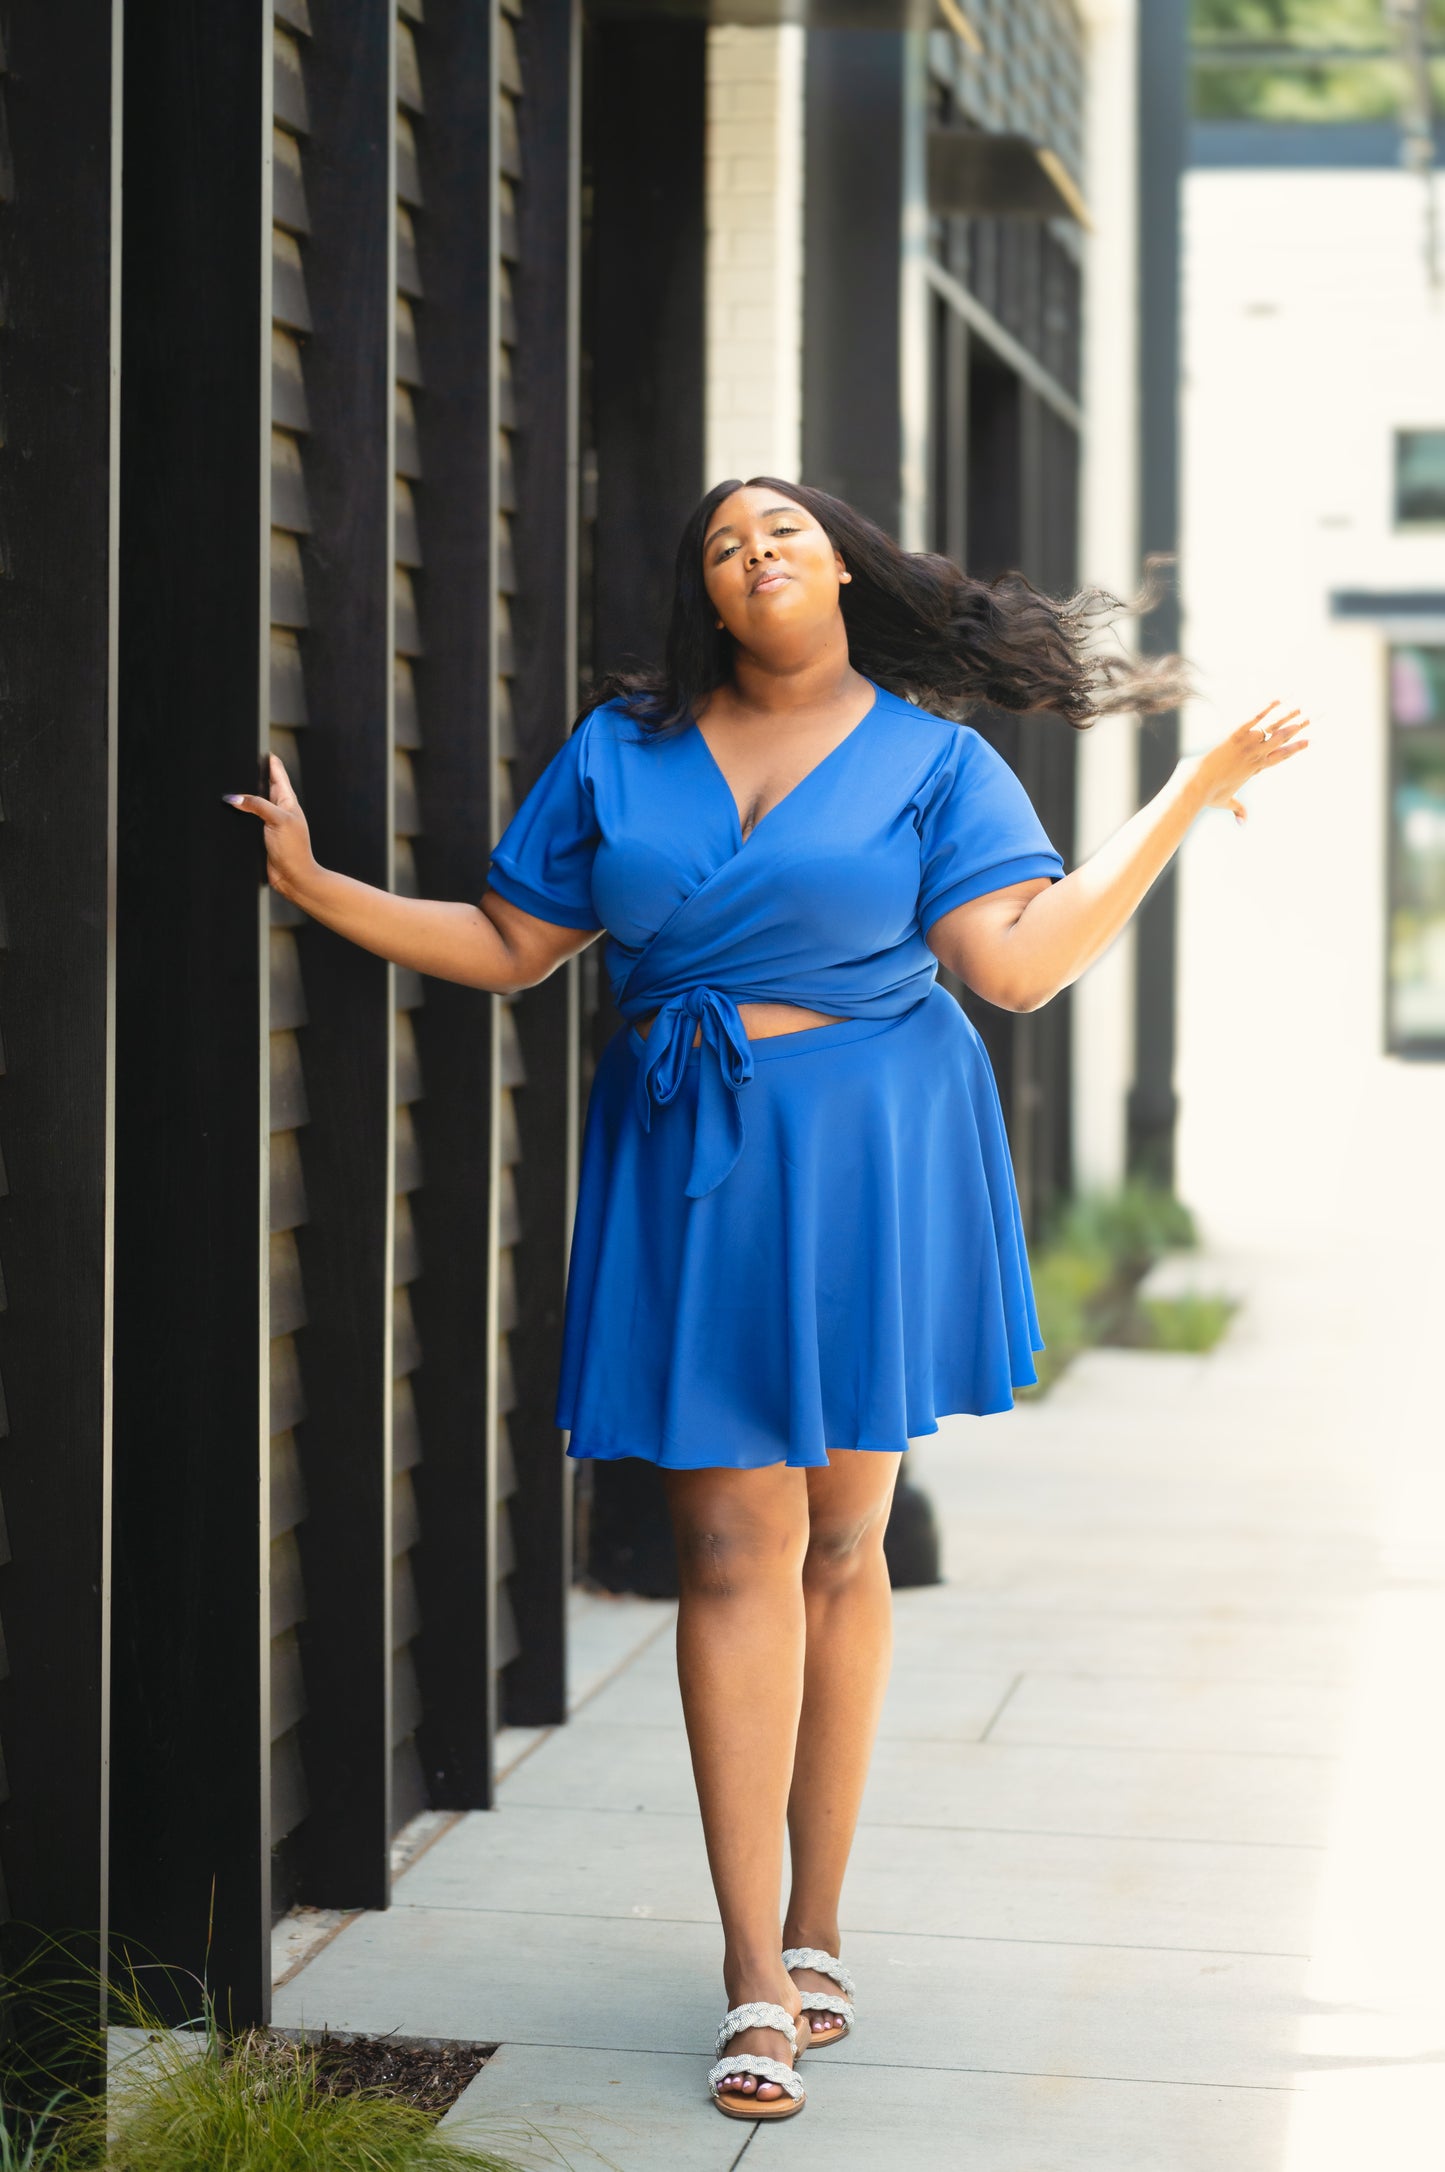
(823,2002)
(737,2103)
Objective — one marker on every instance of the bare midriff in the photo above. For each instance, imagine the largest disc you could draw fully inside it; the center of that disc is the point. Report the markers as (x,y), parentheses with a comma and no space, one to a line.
(762,1021)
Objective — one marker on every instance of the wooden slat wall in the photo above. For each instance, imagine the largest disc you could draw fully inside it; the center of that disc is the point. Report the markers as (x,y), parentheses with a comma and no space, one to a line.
(338,1856)
(541,512)
(349,322)
(512,1071)
(191,1691)
(644,317)
(454,771)
(59,245)
(290,525)
(409,1788)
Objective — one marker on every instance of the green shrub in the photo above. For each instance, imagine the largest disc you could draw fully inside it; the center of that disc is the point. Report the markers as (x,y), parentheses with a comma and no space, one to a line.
(187,2100)
(1190,1323)
(1086,1271)
(254,2105)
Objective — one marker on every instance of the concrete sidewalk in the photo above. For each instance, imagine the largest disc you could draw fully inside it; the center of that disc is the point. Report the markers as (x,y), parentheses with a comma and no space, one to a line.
(1149,1876)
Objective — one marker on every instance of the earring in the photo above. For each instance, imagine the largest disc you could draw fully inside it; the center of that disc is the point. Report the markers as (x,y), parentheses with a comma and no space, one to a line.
(844,577)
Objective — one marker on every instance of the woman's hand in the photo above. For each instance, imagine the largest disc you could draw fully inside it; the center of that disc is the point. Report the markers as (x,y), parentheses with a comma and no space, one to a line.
(1220,774)
(290,864)
(493,945)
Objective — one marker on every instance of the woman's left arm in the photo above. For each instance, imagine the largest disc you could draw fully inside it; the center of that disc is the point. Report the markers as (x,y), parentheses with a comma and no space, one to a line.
(1018,947)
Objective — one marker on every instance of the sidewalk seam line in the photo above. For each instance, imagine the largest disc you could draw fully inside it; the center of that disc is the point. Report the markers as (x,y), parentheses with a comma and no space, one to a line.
(1025,1832)
(975,1938)
(1002,1706)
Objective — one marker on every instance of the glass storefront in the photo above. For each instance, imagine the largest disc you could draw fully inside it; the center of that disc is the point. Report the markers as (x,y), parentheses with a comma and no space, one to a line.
(1416,993)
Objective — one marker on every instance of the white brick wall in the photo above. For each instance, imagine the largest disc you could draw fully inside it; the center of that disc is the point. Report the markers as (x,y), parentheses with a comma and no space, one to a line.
(754,252)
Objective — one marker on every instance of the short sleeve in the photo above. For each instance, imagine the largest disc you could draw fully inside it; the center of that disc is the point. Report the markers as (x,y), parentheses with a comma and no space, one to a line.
(979,831)
(543,859)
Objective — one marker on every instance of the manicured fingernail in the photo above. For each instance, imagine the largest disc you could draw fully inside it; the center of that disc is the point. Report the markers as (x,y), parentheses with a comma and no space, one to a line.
(232,799)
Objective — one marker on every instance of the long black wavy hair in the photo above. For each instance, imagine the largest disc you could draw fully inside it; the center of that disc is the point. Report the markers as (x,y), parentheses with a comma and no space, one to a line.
(916,625)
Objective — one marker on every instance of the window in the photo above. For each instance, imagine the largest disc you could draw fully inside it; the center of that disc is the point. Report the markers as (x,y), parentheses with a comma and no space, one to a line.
(1416,991)
(1419,477)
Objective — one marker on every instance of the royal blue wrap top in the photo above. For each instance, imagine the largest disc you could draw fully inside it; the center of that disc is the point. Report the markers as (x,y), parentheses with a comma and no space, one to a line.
(824,904)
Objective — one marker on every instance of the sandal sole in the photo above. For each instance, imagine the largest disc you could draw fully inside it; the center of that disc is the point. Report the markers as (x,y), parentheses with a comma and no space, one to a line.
(749,2108)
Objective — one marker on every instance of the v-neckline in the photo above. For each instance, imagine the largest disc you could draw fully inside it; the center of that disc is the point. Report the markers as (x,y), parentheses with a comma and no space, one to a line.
(808,774)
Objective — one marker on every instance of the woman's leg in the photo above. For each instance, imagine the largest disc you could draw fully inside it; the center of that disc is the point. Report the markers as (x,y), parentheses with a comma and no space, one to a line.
(741,1538)
(849,1646)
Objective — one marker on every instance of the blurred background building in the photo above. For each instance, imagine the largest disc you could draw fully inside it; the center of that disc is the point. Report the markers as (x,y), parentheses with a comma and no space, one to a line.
(1312,952)
(361,426)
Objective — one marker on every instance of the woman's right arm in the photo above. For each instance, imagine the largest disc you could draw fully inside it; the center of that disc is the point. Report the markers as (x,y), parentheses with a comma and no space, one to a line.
(494,945)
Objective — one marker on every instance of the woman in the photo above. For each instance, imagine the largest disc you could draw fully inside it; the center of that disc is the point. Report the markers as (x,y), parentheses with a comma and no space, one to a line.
(797,1241)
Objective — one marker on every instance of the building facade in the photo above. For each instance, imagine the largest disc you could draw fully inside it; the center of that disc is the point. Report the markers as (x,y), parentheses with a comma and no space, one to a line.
(359,429)
(1316,386)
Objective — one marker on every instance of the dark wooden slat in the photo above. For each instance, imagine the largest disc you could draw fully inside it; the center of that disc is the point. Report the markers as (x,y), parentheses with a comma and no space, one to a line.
(288,1688)
(287,1402)
(289,606)
(60,251)
(406,1613)
(405,1252)
(543,542)
(408,263)
(288,1294)
(290,507)
(456,1481)
(288,207)
(408,73)
(288,1187)
(287,683)
(289,410)
(405,1433)
(190,1778)
(288,1489)
(408,355)
(644,331)
(645,314)
(342,1853)
(408,171)
(289,303)
(290,85)
(288,996)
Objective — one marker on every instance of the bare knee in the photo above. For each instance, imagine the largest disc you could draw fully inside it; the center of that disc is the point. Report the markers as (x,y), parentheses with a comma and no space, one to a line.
(730,1543)
(841,1548)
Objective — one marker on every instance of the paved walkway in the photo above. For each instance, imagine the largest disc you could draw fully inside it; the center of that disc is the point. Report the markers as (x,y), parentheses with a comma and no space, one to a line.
(1149,1878)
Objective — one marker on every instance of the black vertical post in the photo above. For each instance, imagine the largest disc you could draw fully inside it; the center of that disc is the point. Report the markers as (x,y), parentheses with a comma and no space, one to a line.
(853,227)
(644,329)
(59,241)
(1163,135)
(346,1268)
(544,689)
(190,1772)
(456,1480)
(648,99)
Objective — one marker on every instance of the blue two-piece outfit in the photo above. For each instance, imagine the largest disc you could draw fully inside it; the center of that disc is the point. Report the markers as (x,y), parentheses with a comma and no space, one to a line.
(810,1241)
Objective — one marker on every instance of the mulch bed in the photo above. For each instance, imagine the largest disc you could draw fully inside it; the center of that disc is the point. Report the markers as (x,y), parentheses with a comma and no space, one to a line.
(429,2073)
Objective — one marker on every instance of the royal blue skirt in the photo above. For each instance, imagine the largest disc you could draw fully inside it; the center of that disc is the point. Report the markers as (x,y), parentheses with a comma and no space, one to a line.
(859,1274)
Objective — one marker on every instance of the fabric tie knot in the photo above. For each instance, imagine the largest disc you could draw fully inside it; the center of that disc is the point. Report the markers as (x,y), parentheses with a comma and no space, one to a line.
(727,1065)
